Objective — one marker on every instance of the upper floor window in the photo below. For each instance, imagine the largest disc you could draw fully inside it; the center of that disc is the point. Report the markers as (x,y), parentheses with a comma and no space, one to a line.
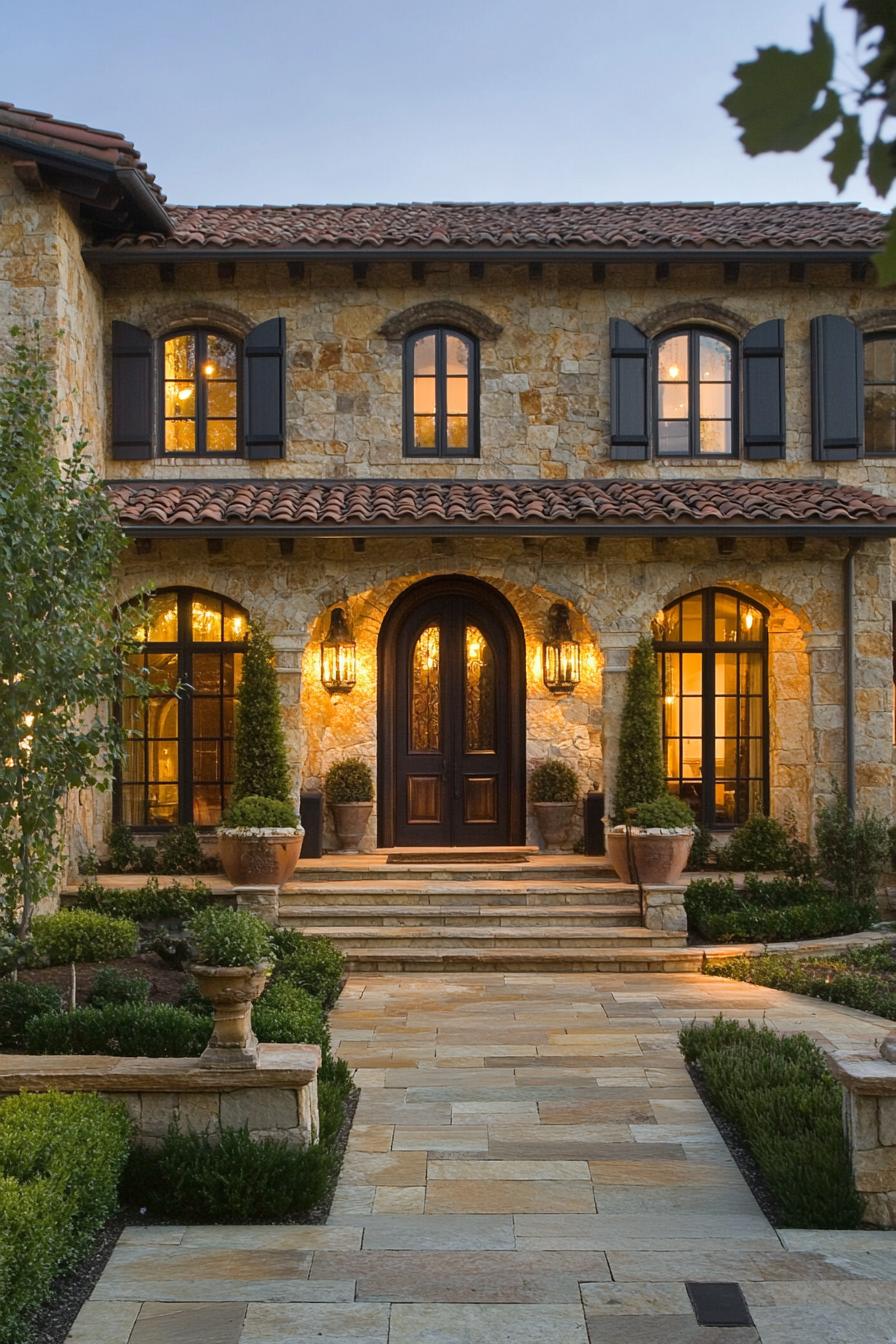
(880,393)
(441,394)
(200,394)
(695,394)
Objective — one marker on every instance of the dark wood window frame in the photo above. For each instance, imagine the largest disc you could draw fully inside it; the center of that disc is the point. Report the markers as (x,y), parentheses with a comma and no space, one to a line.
(440,448)
(694,331)
(709,648)
(887,334)
(184,648)
(201,334)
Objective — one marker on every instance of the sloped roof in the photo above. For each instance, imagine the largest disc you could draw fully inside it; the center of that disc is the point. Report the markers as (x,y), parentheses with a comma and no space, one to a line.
(611,505)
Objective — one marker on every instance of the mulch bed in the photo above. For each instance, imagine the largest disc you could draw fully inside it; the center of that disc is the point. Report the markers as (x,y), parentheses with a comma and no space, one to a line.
(743,1157)
(167,982)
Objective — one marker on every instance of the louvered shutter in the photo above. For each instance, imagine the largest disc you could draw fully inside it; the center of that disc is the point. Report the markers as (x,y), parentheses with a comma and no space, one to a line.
(132,400)
(264,389)
(629,352)
(838,393)
(763,366)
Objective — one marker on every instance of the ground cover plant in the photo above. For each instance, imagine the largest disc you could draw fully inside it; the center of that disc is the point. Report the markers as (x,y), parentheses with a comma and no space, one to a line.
(862,978)
(771,910)
(147,904)
(784,1106)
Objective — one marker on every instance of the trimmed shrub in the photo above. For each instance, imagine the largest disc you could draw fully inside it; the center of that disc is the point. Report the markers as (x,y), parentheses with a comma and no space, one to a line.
(228,1178)
(263,813)
(19,1002)
(225,937)
(853,852)
(760,845)
(349,781)
(775,910)
(288,1015)
(146,904)
(334,1083)
(61,1158)
(82,935)
(553,782)
(640,771)
(855,979)
(314,964)
(155,1030)
(179,851)
(779,1096)
(259,746)
(125,855)
(701,849)
(113,986)
(664,813)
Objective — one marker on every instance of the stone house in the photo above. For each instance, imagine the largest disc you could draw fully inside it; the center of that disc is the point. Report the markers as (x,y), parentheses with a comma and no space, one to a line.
(485,448)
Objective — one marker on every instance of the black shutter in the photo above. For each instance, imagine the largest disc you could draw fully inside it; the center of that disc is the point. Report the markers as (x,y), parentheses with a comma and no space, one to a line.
(629,350)
(131,392)
(265,396)
(838,392)
(763,362)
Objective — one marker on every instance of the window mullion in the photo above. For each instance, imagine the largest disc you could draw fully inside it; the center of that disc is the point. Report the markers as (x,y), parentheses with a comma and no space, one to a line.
(201,403)
(441,397)
(709,709)
(694,392)
(185,708)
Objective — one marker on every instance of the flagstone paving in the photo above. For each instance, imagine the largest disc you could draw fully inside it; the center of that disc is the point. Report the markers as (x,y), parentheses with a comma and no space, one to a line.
(529,1164)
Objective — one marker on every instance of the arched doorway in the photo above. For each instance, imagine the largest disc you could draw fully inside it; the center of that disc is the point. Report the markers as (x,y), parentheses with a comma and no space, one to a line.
(451,717)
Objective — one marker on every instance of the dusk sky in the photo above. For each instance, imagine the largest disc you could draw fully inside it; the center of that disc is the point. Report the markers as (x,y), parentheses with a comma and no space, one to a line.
(271,101)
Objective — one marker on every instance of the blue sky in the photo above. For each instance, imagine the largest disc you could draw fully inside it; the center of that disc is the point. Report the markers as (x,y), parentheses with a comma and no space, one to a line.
(271,101)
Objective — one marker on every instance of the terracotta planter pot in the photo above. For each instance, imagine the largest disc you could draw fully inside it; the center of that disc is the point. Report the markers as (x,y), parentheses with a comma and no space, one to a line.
(659,856)
(231,990)
(554,821)
(350,820)
(259,858)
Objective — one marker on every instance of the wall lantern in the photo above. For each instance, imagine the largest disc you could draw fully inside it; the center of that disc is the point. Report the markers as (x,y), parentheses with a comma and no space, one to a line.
(561,652)
(337,654)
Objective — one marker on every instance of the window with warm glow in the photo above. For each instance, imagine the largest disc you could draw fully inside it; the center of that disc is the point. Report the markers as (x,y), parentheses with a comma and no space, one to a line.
(712,652)
(179,762)
(201,394)
(880,393)
(441,394)
(695,395)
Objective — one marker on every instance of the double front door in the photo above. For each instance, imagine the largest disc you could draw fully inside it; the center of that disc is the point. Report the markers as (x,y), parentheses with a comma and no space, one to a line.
(452,780)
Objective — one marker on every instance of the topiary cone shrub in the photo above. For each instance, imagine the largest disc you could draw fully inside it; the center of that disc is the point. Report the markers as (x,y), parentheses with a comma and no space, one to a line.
(259,745)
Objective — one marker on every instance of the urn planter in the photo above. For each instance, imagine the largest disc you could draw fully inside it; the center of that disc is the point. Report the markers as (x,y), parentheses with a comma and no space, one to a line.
(254,856)
(554,821)
(659,856)
(231,990)
(350,820)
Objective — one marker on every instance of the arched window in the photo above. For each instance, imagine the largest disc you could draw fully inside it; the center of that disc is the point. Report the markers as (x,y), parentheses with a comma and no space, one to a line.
(179,762)
(441,394)
(696,394)
(880,393)
(712,649)
(200,394)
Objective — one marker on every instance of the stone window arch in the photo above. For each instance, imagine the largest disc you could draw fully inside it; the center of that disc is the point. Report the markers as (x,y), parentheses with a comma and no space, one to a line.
(440,384)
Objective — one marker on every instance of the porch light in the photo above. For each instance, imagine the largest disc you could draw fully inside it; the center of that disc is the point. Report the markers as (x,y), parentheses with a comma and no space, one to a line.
(337,654)
(561,655)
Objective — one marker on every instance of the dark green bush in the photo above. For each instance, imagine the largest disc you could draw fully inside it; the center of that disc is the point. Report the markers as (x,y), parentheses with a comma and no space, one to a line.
(226,937)
(155,1030)
(701,849)
(113,986)
(665,813)
(853,852)
(259,745)
(125,855)
(61,1159)
(760,845)
(779,1096)
(767,911)
(254,811)
(349,781)
(179,851)
(227,1178)
(859,978)
(640,769)
(19,1002)
(288,1015)
(315,964)
(82,935)
(334,1083)
(146,904)
(553,782)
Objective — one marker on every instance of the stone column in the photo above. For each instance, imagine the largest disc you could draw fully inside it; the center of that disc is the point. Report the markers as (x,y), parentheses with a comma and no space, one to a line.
(869,1119)
(826,678)
(617,648)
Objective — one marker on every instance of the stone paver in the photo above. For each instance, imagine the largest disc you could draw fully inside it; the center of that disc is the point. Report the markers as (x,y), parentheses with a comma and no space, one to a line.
(529,1162)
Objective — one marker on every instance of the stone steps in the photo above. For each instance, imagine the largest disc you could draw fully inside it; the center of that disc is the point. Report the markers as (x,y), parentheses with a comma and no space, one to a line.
(605,959)
(361,938)
(297,896)
(445,916)
(334,871)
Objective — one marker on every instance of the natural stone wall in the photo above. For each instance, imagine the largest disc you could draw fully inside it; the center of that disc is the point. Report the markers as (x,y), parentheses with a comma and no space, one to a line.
(869,1118)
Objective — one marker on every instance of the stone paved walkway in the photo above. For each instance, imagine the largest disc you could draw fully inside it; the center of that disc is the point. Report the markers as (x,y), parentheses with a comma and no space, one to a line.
(529,1163)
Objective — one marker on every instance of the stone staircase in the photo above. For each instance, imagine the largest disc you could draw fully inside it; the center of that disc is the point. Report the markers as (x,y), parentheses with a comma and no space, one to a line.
(563,914)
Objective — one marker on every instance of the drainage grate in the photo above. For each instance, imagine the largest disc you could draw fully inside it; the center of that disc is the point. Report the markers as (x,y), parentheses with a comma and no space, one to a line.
(719,1304)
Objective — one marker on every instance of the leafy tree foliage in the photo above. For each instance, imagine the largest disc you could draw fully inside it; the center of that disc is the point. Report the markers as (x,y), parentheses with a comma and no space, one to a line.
(63,644)
(784,100)
(260,750)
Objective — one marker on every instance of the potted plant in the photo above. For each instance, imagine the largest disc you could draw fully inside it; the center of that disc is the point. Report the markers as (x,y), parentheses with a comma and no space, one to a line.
(260,836)
(654,831)
(349,789)
(260,840)
(232,965)
(554,791)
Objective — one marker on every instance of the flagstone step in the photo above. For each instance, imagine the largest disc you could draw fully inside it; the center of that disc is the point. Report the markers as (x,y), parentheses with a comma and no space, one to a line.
(368,938)
(604,959)
(297,894)
(333,869)
(297,913)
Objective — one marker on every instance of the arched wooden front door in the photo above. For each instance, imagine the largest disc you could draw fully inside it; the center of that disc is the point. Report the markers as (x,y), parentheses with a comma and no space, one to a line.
(451,717)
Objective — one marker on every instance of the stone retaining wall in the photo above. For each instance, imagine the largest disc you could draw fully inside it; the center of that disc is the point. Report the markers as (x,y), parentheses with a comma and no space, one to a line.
(869,1119)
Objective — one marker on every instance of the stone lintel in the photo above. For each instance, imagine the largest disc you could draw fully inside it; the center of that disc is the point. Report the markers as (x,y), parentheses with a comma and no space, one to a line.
(289,1066)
